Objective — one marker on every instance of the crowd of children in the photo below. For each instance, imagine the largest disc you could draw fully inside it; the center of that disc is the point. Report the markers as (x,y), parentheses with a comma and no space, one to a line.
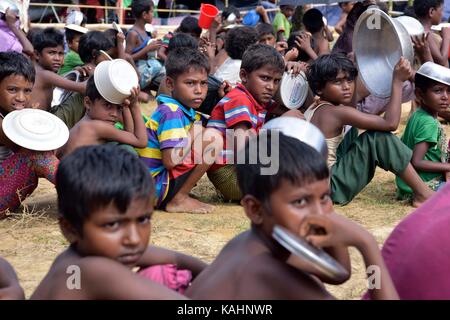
(215,90)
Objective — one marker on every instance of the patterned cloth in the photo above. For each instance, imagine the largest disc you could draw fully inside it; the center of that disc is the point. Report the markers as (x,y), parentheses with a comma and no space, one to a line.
(167,128)
(19,176)
(236,107)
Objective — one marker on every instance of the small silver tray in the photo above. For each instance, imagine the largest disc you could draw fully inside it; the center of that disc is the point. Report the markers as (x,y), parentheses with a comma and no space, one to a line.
(307,257)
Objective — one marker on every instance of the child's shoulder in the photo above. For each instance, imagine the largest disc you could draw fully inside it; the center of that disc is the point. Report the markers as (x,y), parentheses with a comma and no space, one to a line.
(236,96)
(422,117)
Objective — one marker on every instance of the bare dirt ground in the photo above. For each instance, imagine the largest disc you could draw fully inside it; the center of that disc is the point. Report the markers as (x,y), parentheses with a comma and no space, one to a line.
(30,240)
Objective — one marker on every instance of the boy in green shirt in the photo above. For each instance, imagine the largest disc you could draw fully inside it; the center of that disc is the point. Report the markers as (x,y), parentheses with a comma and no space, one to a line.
(281,24)
(424,134)
(72,58)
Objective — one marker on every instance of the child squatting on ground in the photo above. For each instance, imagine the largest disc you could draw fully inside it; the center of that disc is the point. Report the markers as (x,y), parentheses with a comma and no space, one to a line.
(105,202)
(253,265)
(20,168)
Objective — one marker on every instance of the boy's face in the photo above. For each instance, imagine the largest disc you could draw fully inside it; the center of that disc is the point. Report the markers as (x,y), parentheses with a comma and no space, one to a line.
(288,11)
(51,58)
(119,236)
(436,98)
(436,14)
(15,93)
(268,39)
(148,16)
(189,88)
(290,203)
(100,109)
(73,45)
(339,90)
(262,83)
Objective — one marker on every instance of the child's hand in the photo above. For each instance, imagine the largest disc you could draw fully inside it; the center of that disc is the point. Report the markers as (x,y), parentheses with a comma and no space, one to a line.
(403,70)
(445,32)
(120,39)
(10,17)
(132,100)
(422,48)
(224,89)
(281,46)
(291,55)
(332,230)
(303,41)
(85,71)
(154,45)
(296,67)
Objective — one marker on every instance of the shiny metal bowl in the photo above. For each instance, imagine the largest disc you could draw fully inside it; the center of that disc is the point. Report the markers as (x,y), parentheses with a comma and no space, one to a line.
(300,129)
(436,72)
(378,43)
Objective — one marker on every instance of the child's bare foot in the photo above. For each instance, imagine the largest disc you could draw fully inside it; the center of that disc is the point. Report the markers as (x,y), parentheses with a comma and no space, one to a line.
(184,203)
(419,199)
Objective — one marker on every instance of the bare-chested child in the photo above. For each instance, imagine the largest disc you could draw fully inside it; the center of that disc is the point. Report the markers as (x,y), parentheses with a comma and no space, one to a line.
(313,21)
(49,57)
(105,202)
(10,288)
(97,125)
(429,13)
(297,197)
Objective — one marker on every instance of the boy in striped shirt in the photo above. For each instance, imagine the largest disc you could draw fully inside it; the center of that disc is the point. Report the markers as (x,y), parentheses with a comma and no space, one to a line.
(244,110)
(176,139)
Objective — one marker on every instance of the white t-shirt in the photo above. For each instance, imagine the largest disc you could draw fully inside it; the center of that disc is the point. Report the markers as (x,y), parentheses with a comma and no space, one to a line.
(229,71)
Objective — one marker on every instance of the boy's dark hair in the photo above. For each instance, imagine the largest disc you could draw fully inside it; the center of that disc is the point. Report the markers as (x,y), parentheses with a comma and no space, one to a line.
(190,25)
(14,63)
(313,20)
(409,12)
(298,163)
(264,28)
(71,34)
(259,55)
(47,38)
(231,9)
(424,83)
(180,60)
(111,35)
(182,40)
(91,90)
(302,55)
(238,40)
(421,7)
(91,43)
(326,68)
(140,6)
(93,177)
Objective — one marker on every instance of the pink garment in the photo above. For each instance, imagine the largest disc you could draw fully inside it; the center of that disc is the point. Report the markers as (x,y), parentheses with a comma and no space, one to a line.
(375,105)
(417,252)
(169,276)
(8,41)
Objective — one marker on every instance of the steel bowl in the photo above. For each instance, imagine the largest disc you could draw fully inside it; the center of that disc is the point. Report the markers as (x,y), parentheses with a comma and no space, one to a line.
(300,129)
(378,43)
(436,72)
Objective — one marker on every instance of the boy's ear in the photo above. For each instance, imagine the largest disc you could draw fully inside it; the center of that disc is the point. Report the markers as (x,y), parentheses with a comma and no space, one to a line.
(87,103)
(170,83)
(243,75)
(253,209)
(68,231)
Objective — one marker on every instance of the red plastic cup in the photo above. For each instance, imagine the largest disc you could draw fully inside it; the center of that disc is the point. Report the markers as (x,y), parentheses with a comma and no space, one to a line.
(207,14)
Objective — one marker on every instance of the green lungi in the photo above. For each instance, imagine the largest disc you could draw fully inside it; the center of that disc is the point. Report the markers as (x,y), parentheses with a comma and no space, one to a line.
(358,157)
